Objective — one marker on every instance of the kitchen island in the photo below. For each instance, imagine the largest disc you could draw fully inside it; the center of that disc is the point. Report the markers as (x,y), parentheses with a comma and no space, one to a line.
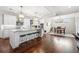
(18,36)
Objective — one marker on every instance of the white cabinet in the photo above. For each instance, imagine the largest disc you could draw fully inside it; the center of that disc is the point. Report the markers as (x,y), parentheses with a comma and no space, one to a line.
(9,19)
(26,23)
(14,39)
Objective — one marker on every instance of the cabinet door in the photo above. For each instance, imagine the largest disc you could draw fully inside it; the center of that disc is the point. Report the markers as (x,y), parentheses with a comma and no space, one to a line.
(26,23)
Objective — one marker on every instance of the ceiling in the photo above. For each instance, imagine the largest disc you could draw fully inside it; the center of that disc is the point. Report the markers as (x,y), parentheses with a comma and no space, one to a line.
(40,11)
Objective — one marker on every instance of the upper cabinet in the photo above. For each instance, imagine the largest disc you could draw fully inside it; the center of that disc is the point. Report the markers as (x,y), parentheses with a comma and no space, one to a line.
(9,19)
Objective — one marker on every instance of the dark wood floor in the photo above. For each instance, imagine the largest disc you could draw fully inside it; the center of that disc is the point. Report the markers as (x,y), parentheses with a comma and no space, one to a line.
(5,46)
(46,44)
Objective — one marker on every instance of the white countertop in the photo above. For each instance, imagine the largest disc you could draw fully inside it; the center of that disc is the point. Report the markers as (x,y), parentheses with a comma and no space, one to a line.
(19,30)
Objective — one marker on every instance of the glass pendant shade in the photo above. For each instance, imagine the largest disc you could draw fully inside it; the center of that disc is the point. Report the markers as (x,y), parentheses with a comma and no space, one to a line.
(21,16)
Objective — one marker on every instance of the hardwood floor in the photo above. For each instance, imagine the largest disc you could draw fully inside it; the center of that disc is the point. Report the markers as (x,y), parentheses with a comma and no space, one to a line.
(46,44)
(5,46)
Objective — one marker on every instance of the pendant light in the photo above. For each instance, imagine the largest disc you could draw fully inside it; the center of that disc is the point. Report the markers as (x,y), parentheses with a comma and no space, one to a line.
(21,16)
